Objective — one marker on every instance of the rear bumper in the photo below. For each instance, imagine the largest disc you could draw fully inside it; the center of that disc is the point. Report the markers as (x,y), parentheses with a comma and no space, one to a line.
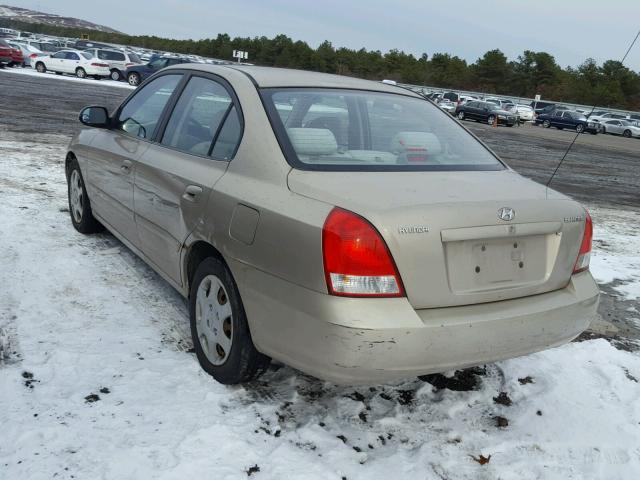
(360,341)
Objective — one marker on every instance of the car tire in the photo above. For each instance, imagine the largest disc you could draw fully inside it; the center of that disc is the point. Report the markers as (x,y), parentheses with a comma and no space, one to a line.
(546,124)
(626,133)
(579,128)
(217,316)
(115,75)
(79,205)
(460,115)
(81,72)
(133,79)
(491,119)
(41,67)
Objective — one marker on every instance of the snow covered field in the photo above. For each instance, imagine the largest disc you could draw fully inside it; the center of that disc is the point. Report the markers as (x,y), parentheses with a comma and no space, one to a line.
(99,382)
(32,72)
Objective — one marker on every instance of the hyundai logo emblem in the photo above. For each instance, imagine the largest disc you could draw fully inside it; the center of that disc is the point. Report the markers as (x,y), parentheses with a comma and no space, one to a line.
(507,214)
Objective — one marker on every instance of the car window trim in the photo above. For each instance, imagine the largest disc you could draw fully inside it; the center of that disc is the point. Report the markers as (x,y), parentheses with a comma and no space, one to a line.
(162,125)
(118,111)
(291,157)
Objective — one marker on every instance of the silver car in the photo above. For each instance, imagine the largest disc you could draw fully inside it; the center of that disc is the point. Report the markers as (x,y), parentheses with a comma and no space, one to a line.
(347,228)
(625,128)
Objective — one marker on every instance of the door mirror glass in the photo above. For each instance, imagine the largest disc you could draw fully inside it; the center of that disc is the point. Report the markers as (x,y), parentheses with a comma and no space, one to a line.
(95,117)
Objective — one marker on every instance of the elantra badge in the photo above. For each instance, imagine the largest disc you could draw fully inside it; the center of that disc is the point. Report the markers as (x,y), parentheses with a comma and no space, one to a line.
(507,214)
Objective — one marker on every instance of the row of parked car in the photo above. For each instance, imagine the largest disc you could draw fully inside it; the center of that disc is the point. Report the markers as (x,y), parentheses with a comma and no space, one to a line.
(507,112)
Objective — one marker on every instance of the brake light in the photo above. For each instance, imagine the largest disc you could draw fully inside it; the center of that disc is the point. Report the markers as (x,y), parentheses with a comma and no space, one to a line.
(127,65)
(582,262)
(99,65)
(33,55)
(357,262)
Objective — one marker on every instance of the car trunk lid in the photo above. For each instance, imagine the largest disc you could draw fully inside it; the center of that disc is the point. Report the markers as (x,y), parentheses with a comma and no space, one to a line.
(445,232)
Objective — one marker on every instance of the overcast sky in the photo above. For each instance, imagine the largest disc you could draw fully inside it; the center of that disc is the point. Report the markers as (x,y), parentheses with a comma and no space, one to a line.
(571,30)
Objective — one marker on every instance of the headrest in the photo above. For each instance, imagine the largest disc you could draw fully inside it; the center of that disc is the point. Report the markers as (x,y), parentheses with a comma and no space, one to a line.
(313,141)
(411,141)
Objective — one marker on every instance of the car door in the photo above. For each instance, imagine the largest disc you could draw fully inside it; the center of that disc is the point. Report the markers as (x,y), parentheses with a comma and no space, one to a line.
(175,176)
(54,62)
(471,110)
(113,152)
(70,62)
(613,126)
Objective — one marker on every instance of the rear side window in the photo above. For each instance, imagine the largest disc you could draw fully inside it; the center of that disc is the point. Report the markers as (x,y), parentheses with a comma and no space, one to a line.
(140,115)
(332,129)
(204,114)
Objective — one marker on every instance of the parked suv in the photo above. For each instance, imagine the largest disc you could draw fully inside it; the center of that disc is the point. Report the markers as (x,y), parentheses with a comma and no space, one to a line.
(485,112)
(139,73)
(562,119)
(118,61)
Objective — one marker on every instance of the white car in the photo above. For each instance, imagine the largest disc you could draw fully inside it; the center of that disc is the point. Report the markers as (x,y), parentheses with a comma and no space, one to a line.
(607,116)
(76,62)
(525,112)
(117,60)
(447,105)
(621,127)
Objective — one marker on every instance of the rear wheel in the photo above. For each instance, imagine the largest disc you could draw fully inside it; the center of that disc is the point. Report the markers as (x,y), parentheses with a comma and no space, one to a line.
(81,73)
(40,67)
(626,133)
(579,128)
(134,79)
(219,328)
(460,115)
(115,74)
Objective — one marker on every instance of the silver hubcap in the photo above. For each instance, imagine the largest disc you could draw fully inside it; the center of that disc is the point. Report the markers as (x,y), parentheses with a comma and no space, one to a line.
(76,198)
(214,317)
(491,119)
(115,76)
(133,80)
(81,73)
(461,115)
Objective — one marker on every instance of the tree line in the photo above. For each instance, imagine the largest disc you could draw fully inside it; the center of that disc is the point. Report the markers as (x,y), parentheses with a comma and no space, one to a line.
(610,84)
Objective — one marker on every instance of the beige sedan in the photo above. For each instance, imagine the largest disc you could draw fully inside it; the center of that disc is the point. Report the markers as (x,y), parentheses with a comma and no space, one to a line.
(347,228)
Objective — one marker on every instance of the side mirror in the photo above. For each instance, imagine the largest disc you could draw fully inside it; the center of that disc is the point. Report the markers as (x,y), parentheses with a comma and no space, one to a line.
(97,117)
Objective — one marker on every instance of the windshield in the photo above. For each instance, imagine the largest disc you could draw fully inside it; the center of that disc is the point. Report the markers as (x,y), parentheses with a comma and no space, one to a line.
(87,55)
(330,129)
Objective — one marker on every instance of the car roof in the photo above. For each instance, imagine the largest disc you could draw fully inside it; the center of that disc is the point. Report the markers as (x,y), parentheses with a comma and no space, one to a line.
(268,77)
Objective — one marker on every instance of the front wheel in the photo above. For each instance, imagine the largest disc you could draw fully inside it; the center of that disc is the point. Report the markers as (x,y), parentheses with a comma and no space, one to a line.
(79,206)
(460,115)
(491,119)
(219,328)
(81,73)
(626,133)
(579,128)
(546,124)
(134,79)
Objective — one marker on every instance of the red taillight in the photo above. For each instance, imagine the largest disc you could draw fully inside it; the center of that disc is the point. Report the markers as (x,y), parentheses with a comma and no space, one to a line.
(357,262)
(99,65)
(33,55)
(582,262)
(127,65)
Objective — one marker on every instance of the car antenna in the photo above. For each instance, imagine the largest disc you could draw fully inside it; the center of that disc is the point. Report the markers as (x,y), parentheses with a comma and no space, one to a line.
(590,113)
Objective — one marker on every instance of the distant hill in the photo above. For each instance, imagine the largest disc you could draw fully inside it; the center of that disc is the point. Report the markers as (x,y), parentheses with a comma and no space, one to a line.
(31,16)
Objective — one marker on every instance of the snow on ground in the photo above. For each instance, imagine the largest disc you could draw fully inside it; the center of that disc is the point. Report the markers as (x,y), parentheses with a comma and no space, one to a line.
(99,381)
(67,77)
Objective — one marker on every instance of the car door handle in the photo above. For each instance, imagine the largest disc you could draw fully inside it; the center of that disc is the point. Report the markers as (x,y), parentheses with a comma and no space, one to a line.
(126,166)
(191,193)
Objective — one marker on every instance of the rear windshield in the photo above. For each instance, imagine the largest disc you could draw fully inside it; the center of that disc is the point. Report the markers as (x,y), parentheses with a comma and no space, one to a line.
(134,58)
(331,129)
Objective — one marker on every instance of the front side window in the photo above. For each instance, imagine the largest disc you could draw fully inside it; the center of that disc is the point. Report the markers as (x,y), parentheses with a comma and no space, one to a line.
(329,129)
(196,120)
(59,55)
(140,116)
